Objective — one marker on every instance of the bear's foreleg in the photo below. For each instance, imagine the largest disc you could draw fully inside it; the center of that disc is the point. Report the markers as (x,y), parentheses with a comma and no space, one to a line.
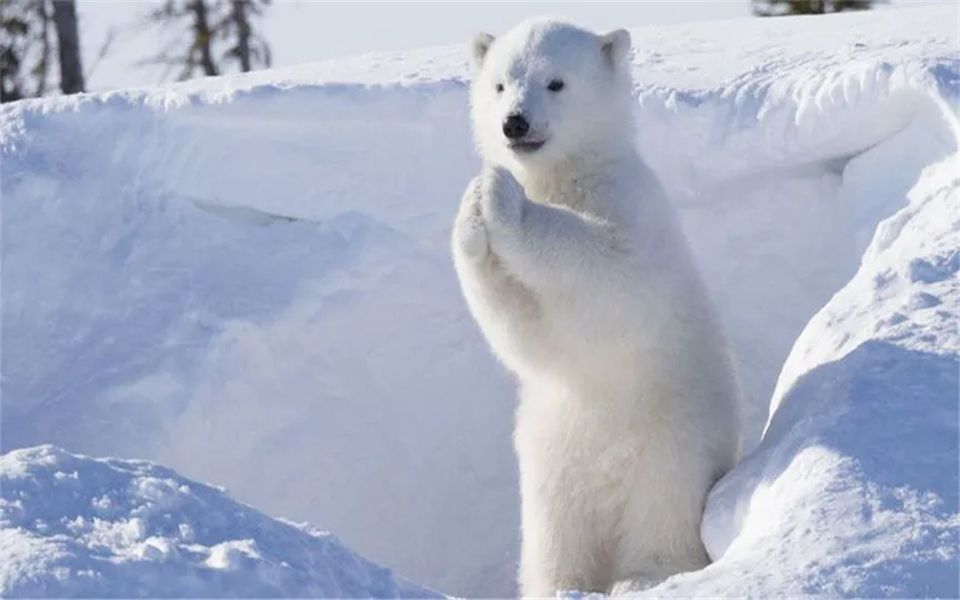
(507,311)
(550,249)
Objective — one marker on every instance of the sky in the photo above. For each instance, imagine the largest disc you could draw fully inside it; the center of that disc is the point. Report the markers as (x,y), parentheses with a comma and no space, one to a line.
(302,31)
(305,31)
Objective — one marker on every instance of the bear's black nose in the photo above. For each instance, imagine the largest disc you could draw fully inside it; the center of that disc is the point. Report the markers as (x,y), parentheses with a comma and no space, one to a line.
(515,126)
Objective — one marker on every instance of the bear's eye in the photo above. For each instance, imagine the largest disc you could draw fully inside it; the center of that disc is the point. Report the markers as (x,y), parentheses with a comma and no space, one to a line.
(499,88)
(555,85)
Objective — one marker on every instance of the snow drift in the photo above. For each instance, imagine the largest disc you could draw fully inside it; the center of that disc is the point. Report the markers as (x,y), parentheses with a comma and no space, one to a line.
(853,490)
(81,527)
(247,279)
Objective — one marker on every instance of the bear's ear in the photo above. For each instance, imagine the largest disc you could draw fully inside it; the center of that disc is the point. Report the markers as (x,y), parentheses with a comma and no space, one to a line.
(615,46)
(479,47)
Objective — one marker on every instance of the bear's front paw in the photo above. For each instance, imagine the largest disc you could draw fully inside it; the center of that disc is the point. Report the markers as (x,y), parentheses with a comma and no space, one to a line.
(502,197)
(469,232)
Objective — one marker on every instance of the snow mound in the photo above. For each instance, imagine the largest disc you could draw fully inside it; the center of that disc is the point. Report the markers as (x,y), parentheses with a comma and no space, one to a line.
(76,526)
(854,488)
(247,278)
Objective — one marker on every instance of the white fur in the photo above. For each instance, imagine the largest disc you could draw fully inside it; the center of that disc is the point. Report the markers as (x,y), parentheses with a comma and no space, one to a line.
(573,264)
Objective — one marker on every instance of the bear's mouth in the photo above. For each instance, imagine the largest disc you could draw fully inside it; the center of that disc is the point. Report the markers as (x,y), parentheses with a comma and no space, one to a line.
(526,146)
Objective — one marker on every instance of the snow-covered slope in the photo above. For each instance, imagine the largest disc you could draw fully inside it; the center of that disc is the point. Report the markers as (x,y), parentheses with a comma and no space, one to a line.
(854,489)
(247,279)
(74,526)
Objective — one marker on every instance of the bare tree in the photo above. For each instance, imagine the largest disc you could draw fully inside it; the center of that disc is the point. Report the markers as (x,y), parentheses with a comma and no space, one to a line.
(201,51)
(773,8)
(41,70)
(209,26)
(248,47)
(12,53)
(196,53)
(25,49)
(68,46)
(238,15)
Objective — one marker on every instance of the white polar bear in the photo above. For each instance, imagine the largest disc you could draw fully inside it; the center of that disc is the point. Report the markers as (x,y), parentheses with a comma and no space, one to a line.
(573,264)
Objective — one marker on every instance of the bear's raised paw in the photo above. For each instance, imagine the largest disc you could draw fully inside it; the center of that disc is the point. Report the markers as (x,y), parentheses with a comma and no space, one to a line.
(502,197)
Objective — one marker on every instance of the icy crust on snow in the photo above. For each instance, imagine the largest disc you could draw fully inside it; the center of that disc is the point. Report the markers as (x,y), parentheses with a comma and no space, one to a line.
(247,278)
(76,526)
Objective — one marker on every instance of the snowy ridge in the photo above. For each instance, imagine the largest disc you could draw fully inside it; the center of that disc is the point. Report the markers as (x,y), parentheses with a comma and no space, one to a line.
(802,121)
(323,360)
(810,162)
(82,527)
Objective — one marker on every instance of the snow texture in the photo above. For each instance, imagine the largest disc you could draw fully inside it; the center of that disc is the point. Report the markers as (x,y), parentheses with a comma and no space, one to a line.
(76,526)
(246,278)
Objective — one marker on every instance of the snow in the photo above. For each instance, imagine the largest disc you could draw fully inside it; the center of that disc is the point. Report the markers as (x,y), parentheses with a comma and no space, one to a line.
(854,489)
(246,278)
(76,526)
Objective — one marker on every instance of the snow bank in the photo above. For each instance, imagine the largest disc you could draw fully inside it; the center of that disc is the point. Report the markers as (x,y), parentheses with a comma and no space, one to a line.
(323,369)
(247,278)
(76,526)
(784,171)
(854,489)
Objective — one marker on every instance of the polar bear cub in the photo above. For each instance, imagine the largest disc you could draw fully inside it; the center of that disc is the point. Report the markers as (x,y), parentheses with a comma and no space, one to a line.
(574,266)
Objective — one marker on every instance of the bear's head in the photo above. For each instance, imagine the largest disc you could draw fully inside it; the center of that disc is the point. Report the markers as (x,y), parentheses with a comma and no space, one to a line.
(548,92)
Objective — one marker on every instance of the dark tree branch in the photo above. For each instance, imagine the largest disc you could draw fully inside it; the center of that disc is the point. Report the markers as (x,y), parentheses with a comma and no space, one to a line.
(203,37)
(42,68)
(238,14)
(68,44)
